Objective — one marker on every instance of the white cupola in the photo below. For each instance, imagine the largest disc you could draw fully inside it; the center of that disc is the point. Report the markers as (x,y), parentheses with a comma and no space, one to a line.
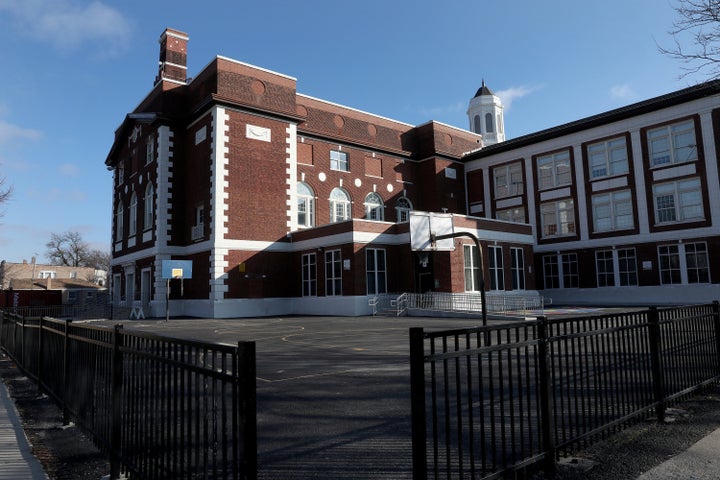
(485,114)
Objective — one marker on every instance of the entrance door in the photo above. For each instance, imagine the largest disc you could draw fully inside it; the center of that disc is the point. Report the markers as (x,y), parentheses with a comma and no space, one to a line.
(145,287)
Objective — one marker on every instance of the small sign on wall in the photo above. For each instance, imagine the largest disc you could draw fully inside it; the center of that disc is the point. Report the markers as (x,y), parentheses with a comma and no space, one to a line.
(257,133)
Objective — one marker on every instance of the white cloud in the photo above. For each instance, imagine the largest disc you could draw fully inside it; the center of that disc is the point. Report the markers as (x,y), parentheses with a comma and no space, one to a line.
(69,170)
(508,95)
(11,133)
(68,24)
(623,92)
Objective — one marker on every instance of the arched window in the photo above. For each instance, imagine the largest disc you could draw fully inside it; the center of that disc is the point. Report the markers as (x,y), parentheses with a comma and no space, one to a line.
(476,124)
(149,207)
(132,224)
(374,207)
(488,122)
(402,209)
(339,205)
(306,205)
(119,221)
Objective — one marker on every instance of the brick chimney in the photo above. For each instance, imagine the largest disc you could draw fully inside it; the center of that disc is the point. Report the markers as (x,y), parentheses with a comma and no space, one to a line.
(173,56)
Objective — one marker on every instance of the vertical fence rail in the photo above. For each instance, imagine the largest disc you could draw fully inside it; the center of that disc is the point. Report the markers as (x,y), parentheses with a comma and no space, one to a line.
(517,397)
(160,407)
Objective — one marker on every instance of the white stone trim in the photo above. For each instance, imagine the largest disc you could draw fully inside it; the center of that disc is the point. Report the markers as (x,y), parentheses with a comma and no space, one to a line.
(291,173)
(218,201)
(164,187)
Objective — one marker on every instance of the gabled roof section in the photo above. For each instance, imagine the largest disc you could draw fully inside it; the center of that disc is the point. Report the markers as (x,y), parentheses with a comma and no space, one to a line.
(122,132)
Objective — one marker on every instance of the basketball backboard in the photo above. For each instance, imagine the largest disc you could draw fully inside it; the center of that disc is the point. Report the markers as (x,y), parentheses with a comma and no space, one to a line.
(176,269)
(425,226)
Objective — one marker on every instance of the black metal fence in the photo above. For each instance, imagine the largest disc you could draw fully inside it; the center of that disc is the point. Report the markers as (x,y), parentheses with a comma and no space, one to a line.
(494,400)
(160,407)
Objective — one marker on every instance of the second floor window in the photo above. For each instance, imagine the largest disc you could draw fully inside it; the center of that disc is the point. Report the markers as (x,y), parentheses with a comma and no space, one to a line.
(607,158)
(558,218)
(339,205)
(149,207)
(672,144)
(612,211)
(403,208)
(678,201)
(132,221)
(374,208)
(306,205)
(554,170)
(119,219)
(339,161)
(508,180)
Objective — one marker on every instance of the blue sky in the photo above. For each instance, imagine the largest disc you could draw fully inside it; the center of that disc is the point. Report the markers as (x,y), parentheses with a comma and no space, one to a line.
(72,70)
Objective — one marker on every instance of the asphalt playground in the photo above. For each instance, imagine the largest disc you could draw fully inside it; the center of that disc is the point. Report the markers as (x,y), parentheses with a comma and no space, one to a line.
(333,393)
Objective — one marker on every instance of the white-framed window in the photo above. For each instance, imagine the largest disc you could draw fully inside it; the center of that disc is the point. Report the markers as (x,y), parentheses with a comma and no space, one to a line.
(678,201)
(339,161)
(149,207)
(374,207)
(333,273)
(375,271)
(605,268)
(672,144)
(684,263)
(517,268)
(561,270)
(495,267)
(339,205)
(554,170)
(612,211)
(508,180)
(198,230)
(607,158)
(306,205)
(150,149)
(471,268)
(515,214)
(47,274)
(119,175)
(402,209)
(309,275)
(119,221)
(132,223)
(558,218)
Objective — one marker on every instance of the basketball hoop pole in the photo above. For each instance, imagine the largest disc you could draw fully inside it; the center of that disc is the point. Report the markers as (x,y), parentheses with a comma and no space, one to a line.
(481,270)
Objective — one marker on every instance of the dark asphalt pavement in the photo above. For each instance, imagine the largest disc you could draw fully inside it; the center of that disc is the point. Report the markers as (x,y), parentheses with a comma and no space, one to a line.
(333,393)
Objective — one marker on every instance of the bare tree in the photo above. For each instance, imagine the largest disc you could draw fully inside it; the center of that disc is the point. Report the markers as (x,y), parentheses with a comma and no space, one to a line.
(698,25)
(98,260)
(5,192)
(67,249)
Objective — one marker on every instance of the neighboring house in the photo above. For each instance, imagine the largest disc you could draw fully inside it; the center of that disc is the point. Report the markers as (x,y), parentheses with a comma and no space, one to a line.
(288,204)
(33,284)
(52,291)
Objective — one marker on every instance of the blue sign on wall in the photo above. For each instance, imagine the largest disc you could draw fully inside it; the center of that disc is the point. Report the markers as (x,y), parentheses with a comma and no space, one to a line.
(177,269)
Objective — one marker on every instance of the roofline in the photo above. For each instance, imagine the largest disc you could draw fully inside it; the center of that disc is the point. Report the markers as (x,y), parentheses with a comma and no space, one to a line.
(663,101)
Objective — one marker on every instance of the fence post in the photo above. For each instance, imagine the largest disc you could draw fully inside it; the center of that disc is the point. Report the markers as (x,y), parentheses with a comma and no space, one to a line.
(115,405)
(417,405)
(66,360)
(546,398)
(655,357)
(40,355)
(716,321)
(248,409)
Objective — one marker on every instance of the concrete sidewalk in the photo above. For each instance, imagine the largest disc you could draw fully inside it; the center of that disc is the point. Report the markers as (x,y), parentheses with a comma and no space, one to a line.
(16,459)
(699,462)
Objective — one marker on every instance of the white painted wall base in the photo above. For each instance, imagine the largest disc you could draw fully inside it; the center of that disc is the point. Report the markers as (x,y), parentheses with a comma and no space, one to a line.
(643,296)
